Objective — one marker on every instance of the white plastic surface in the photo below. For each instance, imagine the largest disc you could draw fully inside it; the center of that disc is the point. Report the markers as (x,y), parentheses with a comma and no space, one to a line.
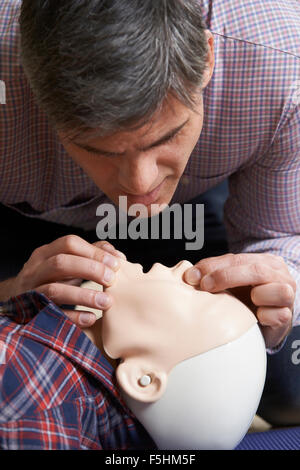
(211,399)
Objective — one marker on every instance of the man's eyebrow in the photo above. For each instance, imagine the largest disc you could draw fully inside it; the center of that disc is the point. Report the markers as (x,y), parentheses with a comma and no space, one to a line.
(158,142)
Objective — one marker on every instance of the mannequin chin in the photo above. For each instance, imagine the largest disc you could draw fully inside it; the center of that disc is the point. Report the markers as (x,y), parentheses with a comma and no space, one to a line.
(193,364)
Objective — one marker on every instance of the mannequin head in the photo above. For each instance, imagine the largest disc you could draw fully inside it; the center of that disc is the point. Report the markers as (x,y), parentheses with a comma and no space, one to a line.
(192,364)
(158,321)
(188,357)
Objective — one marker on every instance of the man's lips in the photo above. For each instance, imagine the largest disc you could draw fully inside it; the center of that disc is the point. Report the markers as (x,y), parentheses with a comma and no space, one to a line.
(145,199)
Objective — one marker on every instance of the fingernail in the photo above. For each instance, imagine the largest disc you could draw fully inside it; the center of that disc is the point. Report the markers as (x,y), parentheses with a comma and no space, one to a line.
(121,255)
(193,276)
(108,247)
(108,275)
(87,319)
(207,283)
(110,261)
(102,300)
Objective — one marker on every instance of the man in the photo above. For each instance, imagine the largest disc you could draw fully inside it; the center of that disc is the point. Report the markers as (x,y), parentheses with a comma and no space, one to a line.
(150,103)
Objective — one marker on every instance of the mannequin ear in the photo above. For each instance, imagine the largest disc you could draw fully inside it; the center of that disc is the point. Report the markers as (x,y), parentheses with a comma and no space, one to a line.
(139,382)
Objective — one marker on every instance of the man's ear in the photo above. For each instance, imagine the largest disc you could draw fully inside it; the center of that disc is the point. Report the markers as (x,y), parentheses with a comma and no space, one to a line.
(140,382)
(210,63)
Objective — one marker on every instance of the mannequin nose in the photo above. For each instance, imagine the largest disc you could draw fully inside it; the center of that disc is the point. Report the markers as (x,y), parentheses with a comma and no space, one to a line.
(138,176)
(182,266)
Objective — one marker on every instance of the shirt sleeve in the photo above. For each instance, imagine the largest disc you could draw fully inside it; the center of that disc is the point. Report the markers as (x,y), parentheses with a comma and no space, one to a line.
(262,213)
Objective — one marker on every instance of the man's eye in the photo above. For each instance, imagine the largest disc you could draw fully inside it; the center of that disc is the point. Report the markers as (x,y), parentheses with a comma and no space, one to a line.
(170,139)
(173,137)
(96,154)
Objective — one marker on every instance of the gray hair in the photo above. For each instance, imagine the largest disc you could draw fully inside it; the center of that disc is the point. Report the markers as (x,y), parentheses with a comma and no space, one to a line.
(108,65)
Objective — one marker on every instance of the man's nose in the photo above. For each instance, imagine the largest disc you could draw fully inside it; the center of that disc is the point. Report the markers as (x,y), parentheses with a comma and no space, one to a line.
(139,175)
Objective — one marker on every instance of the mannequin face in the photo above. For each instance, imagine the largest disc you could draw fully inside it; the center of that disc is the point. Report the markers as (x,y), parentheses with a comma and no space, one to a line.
(158,321)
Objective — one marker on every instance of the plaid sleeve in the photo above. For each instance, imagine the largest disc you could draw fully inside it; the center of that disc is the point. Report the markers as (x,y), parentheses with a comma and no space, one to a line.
(262,213)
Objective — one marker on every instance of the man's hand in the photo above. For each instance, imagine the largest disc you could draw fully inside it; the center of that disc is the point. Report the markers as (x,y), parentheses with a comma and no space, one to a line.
(261,280)
(57,270)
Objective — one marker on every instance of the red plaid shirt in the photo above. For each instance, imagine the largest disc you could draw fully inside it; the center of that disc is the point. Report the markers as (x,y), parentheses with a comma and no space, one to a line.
(57,391)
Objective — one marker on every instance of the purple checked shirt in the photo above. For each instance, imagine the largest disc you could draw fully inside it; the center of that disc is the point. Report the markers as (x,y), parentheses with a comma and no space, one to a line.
(251,133)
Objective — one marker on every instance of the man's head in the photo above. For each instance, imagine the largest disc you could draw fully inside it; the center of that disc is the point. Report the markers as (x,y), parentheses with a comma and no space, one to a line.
(124,78)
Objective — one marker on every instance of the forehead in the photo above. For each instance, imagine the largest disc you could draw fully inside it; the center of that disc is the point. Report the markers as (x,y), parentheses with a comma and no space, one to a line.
(169,115)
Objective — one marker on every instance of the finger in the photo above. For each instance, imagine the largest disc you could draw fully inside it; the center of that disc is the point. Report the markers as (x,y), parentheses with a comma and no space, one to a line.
(74,245)
(81,319)
(208,265)
(104,245)
(273,294)
(275,323)
(275,317)
(249,274)
(62,266)
(61,294)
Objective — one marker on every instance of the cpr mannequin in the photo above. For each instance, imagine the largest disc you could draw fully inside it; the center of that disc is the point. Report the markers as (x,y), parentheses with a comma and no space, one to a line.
(192,364)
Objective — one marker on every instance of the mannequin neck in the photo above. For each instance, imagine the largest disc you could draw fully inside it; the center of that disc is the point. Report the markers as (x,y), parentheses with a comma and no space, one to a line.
(94,333)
